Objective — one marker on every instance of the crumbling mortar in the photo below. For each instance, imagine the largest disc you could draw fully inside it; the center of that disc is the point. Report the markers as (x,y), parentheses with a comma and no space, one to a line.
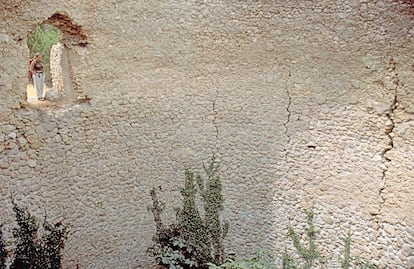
(389,132)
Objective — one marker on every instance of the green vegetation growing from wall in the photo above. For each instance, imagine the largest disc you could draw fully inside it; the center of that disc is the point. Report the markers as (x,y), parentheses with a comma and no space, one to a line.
(196,241)
(257,260)
(42,40)
(34,251)
(193,240)
(3,252)
(350,262)
(346,262)
(308,253)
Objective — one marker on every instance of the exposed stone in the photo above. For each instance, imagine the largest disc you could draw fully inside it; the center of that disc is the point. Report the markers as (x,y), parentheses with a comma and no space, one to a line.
(13,151)
(4,164)
(378,107)
(12,135)
(320,99)
(32,163)
(371,62)
(35,145)
(4,38)
(390,230)
(52,95)
(8,128)
(22,141)
(412,31)
(355,83)
(11,145)
(296,100)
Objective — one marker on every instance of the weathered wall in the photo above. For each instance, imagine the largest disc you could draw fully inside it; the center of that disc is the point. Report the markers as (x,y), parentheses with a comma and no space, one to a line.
(304,103)
(60,72)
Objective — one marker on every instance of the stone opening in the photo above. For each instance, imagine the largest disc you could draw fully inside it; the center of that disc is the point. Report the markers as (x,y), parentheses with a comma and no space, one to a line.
(72,33)
(407,6)
(41,40)
(63,83)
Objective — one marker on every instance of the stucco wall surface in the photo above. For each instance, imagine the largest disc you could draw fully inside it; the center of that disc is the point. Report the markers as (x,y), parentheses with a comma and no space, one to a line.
(306,104)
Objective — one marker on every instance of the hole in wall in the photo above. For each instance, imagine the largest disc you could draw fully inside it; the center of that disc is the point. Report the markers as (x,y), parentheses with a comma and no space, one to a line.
(56,39)
(40,41)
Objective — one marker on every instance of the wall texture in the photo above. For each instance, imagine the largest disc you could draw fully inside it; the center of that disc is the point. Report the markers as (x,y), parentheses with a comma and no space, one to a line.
(304,103)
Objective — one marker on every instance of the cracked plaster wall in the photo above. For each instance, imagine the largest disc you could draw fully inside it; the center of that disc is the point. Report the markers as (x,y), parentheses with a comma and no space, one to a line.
(306,104)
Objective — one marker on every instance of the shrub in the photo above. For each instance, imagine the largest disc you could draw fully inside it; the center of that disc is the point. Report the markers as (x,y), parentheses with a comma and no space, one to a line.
(3,252)
(34,251)
(194,240)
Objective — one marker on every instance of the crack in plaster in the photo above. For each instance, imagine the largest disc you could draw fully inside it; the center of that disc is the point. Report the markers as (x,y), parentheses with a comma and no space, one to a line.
(389,131)
(214,121)
(286,124)
(289,113)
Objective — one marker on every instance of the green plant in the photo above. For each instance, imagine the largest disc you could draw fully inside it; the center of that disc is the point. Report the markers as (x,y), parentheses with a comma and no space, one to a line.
(194,240)
(349,262)
(53,243)
(178,254)
(32,251)
(309,253)
(42,40)
(3,252)
(257,260)
(346,262)
(363,264)
(287,261)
